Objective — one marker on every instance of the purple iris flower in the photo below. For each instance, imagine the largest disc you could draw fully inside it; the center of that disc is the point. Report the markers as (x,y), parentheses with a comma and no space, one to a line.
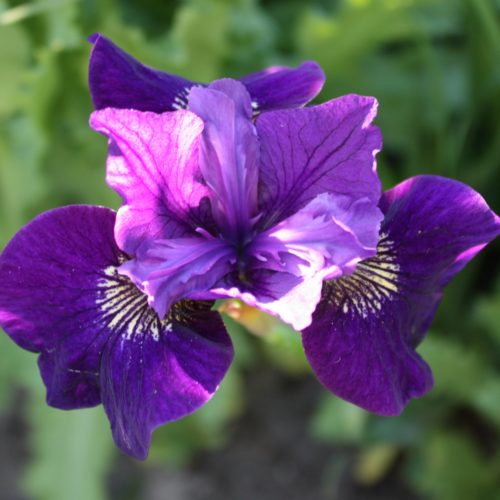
(282,210)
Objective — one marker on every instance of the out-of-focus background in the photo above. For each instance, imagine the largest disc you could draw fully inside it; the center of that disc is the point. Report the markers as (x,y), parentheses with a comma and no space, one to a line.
(272,431)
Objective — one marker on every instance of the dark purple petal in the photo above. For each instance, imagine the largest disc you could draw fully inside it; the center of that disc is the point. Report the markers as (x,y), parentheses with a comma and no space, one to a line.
(117,80)
(323,149)
(229,154)
(362,341)
(48,291)
(148,380)
(61,295)
(279,87)
(153,165)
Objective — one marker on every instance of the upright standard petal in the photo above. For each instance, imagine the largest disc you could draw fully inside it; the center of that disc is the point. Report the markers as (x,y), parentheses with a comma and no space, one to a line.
(61,295)
(328,148)
(279,87)
(362,341)
(117,80)
(153,164)
(229,155)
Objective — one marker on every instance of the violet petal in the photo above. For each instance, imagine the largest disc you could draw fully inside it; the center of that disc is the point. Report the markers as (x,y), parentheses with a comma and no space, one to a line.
(117,80)
(279,87)
(362,341)
(153,164)
(48,290)
(229,155)
(163,372)
(328,148)
(171,270)
(61,295)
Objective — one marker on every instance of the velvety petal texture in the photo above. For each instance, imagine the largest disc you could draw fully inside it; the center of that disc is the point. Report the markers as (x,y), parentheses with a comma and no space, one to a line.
(328,148)
(117,80)
(362,341)
(279,87)
(61,295)
(153,164)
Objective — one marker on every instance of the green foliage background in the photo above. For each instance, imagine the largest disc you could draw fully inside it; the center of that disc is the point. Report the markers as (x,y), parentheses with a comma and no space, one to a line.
(434,65)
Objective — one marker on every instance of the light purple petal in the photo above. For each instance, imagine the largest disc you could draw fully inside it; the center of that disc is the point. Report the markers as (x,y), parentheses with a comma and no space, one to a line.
(362,341)
(171,270)
(287,296)
(229,154)
(279,87)
(153,164)
(330,235)
(323,149)
(61,295)
(117,80)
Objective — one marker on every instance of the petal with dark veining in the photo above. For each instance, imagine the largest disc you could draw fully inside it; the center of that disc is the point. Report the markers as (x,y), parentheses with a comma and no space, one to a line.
(328,148)
(153,164)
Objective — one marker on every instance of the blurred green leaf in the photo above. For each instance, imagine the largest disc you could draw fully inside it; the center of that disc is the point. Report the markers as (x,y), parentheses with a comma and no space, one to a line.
(339,422)
(71,453)
(450,467)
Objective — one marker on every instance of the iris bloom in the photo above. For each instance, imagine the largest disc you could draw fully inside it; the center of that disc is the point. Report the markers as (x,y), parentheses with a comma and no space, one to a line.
(281,209)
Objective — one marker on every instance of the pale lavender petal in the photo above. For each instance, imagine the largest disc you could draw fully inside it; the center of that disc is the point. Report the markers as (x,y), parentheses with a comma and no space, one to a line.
(330,235)
(61,295)
(287,296)
(170,270)
(229,154)
(280,87)
(153,164)
(362,341)
(323,149)
(117,80)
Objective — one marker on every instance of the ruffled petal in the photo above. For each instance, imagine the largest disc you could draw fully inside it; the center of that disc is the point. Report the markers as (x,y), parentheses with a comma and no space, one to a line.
(153,164)
(229,155)
(170,270)
(61,295)
(325,239)
(279,87)
(362,341)
(329,236)
(322,149)
(117,80)
(283,294)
